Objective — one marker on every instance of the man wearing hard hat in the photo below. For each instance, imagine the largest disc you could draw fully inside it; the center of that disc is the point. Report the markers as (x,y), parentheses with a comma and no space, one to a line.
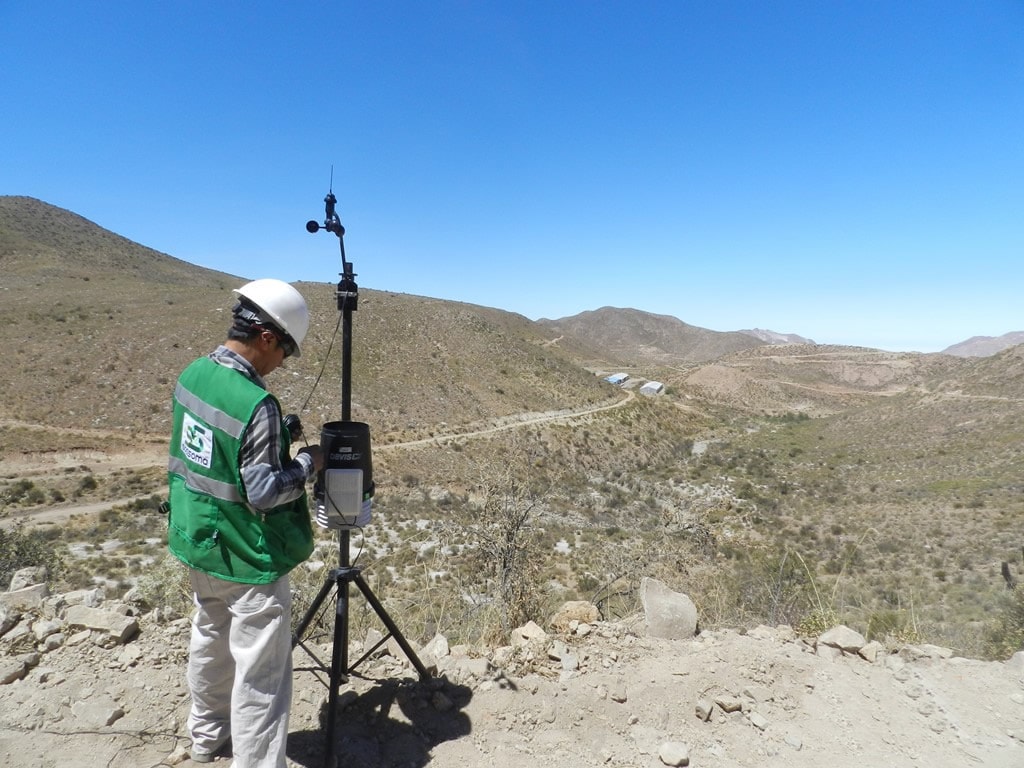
(239,519)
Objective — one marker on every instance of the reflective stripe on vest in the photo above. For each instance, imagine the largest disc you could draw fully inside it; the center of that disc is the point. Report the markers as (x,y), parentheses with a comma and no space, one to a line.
(204,484)
(212,416)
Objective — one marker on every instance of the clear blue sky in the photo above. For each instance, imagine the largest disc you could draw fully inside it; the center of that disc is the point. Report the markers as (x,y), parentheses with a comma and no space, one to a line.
(849,171)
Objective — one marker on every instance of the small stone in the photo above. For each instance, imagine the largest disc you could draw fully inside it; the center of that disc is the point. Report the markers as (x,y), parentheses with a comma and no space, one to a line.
(26,598)
(557,650)
(178,756)
(674,753)
(729,703)
(529,631)
(44,628)
(435,651)
(11,670)
(936,651)
(574,611)
(668,614)
(703,709)
(27,577)
(871,651)
(130,655)
(758,720)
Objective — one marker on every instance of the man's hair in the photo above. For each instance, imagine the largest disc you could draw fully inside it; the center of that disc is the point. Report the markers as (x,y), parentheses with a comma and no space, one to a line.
(248,322)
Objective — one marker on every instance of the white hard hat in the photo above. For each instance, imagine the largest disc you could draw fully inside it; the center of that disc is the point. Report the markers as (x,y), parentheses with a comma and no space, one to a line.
(282,304)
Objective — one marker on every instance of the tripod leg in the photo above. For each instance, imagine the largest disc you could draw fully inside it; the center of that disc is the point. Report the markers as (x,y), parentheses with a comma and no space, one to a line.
(339,669)
(392,627)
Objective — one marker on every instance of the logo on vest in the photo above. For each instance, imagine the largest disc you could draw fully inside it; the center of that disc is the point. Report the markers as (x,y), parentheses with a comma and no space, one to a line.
(197,442)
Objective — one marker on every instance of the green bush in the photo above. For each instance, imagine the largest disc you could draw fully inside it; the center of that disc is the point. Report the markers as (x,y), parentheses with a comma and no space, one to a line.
(17,491)
(891,626)
(165,584)
(1006,634)
(20,549)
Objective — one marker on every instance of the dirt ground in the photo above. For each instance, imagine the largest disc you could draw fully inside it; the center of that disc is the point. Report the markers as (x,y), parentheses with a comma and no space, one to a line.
(601,695)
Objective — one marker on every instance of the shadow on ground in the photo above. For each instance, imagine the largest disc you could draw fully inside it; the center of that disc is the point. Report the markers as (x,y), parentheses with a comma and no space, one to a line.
(392,723)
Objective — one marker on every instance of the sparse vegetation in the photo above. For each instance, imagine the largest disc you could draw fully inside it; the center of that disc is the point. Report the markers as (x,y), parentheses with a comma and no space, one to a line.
(20,548)
(803,485)
(1006,631)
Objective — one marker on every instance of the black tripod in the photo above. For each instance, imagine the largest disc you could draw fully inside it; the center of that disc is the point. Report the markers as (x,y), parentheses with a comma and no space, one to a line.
(345,573)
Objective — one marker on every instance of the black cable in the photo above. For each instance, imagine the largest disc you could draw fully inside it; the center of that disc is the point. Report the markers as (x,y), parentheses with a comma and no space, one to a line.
(323,366)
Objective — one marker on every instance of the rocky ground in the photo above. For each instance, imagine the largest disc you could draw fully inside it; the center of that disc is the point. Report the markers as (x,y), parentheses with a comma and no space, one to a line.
(90,682)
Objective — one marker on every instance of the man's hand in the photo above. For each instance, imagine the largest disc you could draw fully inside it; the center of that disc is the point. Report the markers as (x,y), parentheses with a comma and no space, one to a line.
(317,454)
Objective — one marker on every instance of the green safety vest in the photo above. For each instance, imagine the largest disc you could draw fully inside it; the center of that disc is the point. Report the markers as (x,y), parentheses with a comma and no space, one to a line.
(212,528)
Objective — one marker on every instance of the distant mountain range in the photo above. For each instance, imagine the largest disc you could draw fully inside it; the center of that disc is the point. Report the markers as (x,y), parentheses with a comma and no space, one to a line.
(632,336)
(43,245)
(985,346)
(772,337)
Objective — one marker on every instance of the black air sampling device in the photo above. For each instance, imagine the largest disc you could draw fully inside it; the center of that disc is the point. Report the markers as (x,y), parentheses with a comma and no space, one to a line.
(346,480)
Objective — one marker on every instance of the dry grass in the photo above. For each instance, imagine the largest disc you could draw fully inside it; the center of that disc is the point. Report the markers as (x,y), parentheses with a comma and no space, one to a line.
(881,488)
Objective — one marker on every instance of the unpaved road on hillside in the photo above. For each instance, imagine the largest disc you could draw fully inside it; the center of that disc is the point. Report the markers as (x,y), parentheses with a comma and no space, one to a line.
(63,514)
(513,423)
(154,454)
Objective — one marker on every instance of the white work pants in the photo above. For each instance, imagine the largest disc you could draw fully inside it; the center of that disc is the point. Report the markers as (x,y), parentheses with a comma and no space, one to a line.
(240,669)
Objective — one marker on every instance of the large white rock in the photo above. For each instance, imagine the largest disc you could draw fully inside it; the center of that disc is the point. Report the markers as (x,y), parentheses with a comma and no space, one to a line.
(843,638)
(526,634)
(121,628)
(668,614)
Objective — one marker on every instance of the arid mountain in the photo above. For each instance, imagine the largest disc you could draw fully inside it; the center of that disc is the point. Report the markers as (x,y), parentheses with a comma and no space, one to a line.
(42,246)
(983,346)
(895,476)
(813,379)
(773,337)
(100,326)
(632,337)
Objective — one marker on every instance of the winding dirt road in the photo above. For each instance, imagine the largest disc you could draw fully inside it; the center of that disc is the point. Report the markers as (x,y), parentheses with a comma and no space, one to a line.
(154,454)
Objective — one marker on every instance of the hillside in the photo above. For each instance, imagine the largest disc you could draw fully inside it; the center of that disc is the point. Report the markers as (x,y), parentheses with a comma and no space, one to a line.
(800,485)
(773,337)
(42,246)
(101,326)
(812,379)
(631,337)
(983,346)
